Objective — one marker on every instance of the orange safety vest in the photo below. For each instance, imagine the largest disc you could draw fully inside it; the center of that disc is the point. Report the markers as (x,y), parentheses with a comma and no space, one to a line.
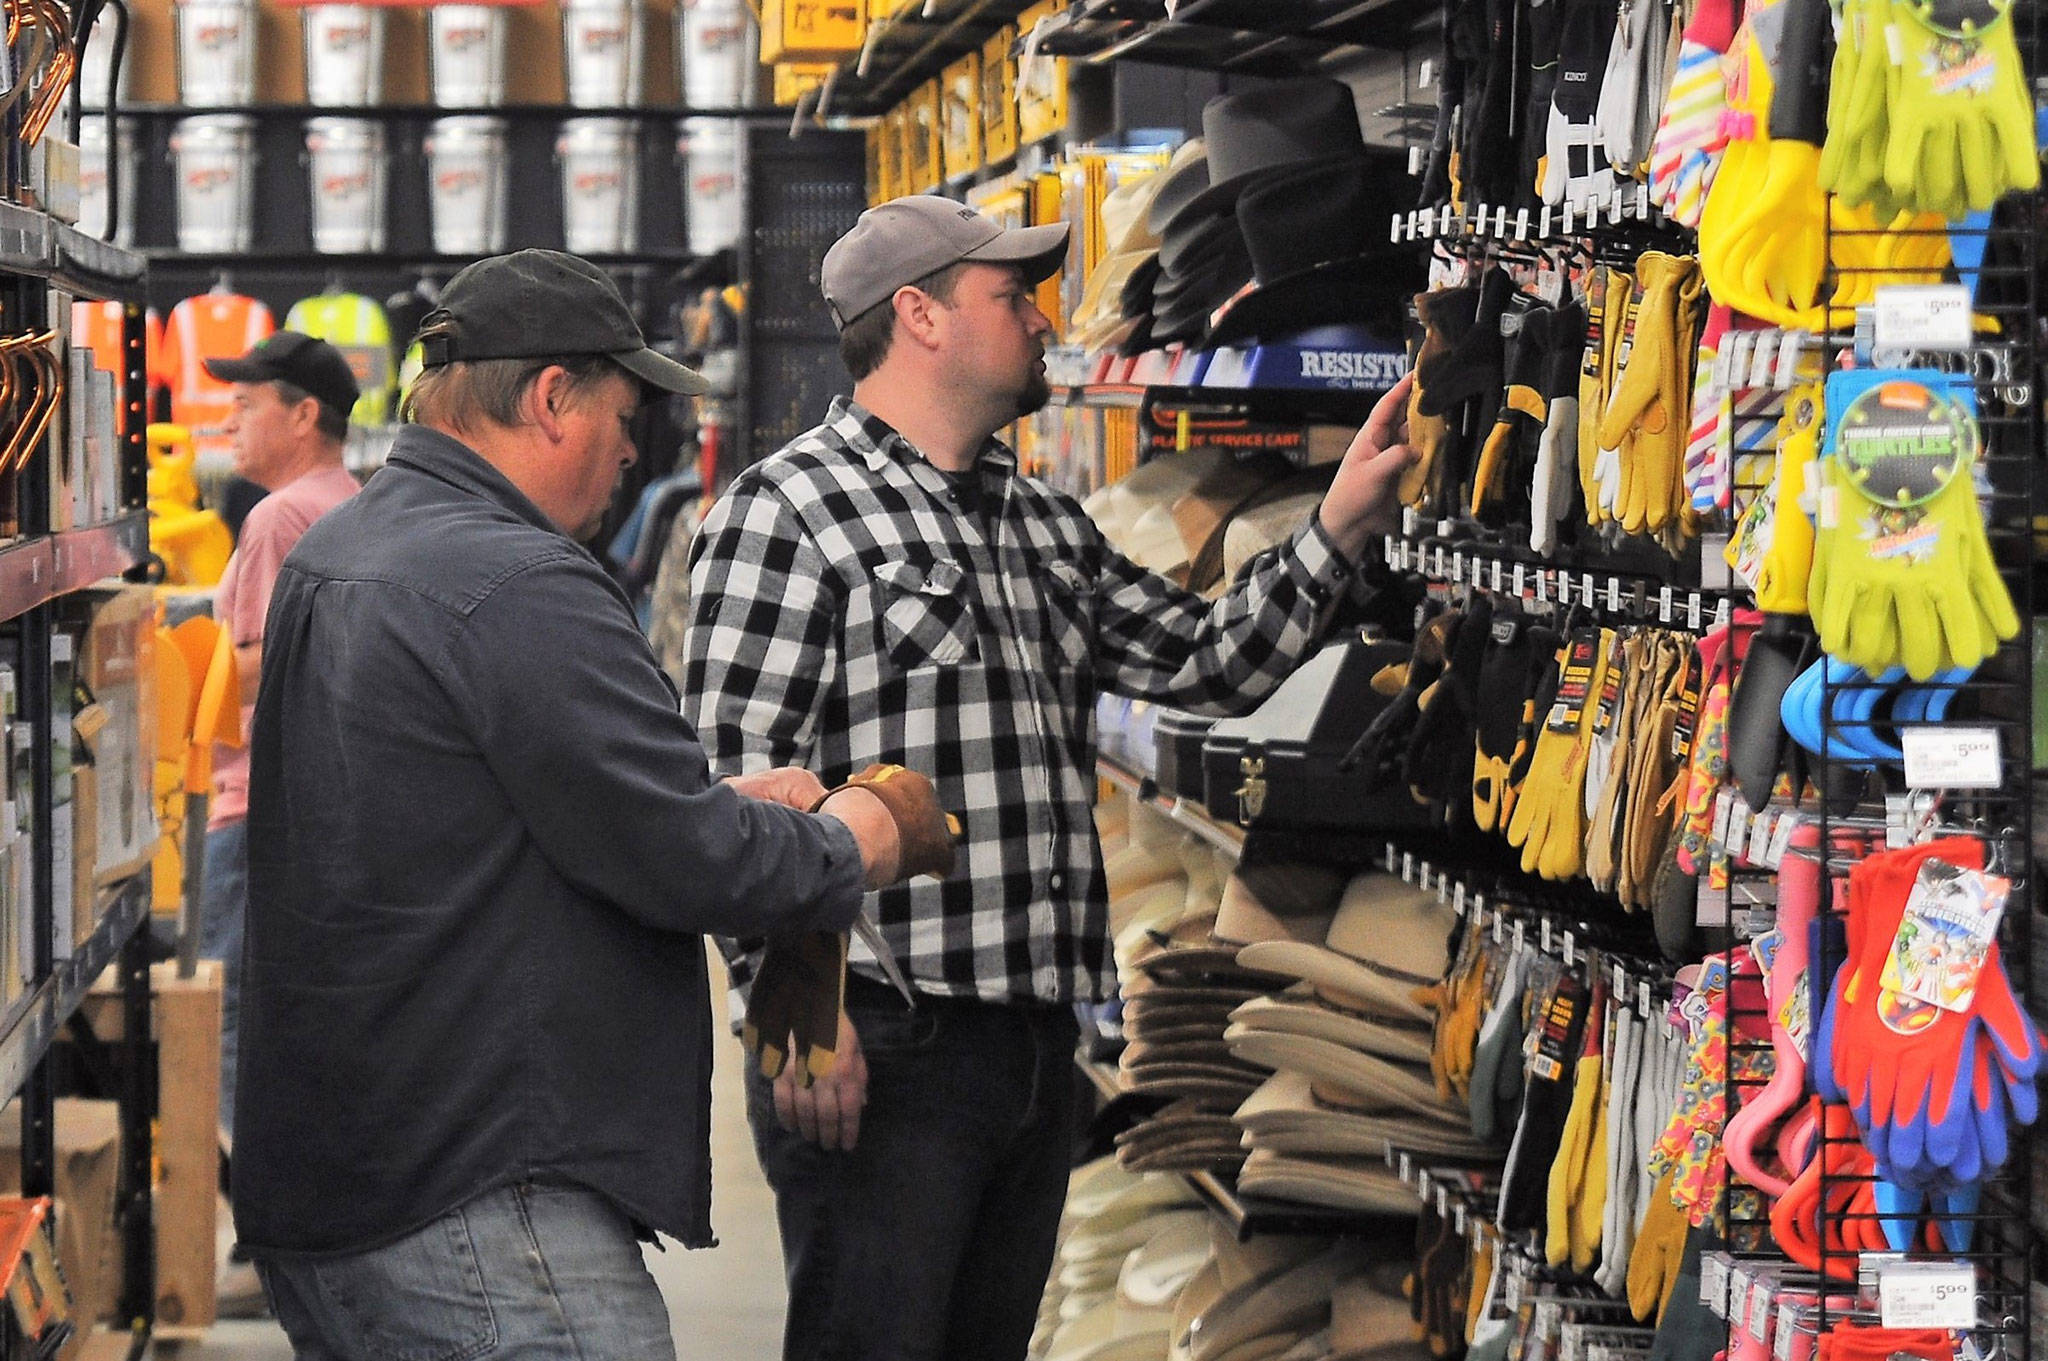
(210,326)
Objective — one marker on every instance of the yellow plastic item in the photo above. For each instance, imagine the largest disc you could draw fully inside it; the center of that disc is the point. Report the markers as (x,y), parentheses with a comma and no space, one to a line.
(811,30)
(193,542)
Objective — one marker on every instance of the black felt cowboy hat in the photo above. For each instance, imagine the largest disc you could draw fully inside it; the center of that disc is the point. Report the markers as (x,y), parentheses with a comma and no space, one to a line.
(1319,252)
(1254,133)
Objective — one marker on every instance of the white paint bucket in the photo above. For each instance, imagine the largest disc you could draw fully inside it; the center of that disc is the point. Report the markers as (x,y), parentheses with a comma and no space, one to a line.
(344,55)
(713,183)
(216,53)
(466,184)
(604,52)
(215,155)
(92,178)
(600,185)
(718,58)
(345,165)
(467,53)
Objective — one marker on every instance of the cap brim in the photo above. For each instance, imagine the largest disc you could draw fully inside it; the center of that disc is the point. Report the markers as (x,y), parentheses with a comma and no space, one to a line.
(658,370)
(239,370)
(1038,250)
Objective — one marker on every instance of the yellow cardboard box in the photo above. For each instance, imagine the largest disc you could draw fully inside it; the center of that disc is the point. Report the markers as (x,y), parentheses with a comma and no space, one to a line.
(795,79)
(960,116)
(811,30)
(1041,82)
(999,98)
(923,161)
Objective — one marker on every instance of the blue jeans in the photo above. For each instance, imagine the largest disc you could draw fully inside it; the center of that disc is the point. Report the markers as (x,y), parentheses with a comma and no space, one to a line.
(524,1273)
(223,914)
(931,1239)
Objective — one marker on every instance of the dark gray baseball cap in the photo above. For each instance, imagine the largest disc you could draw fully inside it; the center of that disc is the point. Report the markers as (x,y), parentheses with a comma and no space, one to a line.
(544,304)
(905,239)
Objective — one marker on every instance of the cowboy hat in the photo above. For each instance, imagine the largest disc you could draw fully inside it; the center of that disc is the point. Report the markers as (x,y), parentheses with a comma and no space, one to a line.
(1387,944)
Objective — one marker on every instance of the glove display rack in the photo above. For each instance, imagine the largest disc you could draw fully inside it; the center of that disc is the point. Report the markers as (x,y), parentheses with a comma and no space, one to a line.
(71,403)
(1713,604)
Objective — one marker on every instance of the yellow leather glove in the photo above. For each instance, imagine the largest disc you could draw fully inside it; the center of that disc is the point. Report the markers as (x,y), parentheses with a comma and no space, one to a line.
(1568,1170)
(1647,417)
(1549,821)
(1788,557)
(1607,293)
(1660,1243)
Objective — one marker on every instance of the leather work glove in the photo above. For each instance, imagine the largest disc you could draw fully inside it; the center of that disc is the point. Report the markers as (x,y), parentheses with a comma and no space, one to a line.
(1648,417)
(1578,1175)
(1660,1243)
(1608,293)
(1508,458)
(1549,822)
(1438,763)
(794,1005)
(1380,747)
(926,835)
(1575,167)
(1431,437)
(1550,493)
(1621,699)
(1470,364)
(1657,769)
(1503,687)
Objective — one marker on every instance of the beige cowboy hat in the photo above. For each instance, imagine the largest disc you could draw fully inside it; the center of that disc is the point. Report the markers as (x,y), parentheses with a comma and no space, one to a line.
(1298,1012)
(1278,902)
(1361,1080)
(1367,1185)
(1387,945)
(1285,1116)
(1287,1304)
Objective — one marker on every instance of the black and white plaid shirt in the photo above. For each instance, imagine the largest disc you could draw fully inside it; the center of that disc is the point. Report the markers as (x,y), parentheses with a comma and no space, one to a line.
(844,610)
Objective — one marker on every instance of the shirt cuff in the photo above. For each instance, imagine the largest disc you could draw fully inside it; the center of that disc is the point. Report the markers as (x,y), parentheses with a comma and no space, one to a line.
(846,876)
(1322,570)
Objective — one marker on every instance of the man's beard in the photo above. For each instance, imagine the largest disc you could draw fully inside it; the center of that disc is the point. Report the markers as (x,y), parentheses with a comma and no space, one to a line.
(1037,392)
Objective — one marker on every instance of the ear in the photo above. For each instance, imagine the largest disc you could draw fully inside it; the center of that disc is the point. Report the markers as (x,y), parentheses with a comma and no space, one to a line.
(547,401)
(917,313)
(306,418)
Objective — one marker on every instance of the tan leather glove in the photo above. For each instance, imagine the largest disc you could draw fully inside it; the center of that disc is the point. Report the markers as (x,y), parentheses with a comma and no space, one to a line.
(926,835)
(794,1005)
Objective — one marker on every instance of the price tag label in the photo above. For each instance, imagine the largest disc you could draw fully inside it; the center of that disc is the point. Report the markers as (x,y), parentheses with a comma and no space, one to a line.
(1762,1291)
(1787,1327)
(1443,1200)
(1407,1168)
(1544,935)
(1458,1219)
(1458,899)
(1664,605)
(1951,758)
(1646,1005)
(1587,583)
(1521,578)
(1714,1282)
(1614,593)
(1692,612)
(1497,573)
(1407,867)
(1458,566)
(1570,952)
(1564,588)
(1781,841)
(1521,224)
(1923,317)
(1927,1295)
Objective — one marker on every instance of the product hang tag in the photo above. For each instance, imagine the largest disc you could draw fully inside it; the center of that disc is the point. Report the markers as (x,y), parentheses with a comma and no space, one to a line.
(1497,573)
(1781,841)
(1692,612)
(1759,839)
(1762,1292)
(1763,361)
(1575,685)
(1941,946)
(1952,758)
(1927,1295)
(1664,604)
(1521,579)
(1714,1282)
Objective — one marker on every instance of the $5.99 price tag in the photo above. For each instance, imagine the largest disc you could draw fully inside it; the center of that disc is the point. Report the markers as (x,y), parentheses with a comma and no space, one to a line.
(1927,1295)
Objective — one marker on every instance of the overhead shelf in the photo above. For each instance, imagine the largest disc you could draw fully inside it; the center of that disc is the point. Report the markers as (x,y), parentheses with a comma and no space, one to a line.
(38,570)
(33,242)
(518,112)
(1188,814)
(34,1022)
(255,262)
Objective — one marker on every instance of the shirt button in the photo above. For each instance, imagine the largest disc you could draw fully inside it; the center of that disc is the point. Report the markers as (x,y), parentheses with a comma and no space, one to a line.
(1056,883)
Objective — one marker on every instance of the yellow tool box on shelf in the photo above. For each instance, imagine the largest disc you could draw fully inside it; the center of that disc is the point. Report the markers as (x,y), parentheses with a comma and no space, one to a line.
(999,98)
(885,141)
(1041,81)
(811,30)
(922,159)
(795,79)
(960,117)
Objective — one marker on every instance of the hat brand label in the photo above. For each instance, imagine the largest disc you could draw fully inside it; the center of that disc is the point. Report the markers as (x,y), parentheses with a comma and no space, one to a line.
(1353,368)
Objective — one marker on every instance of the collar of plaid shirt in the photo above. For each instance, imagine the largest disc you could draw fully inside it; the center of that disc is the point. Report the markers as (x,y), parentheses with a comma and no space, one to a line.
(845,611)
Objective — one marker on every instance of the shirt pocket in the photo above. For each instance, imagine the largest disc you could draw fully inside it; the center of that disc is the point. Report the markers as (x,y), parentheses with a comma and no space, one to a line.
(1069,614)
(925,615)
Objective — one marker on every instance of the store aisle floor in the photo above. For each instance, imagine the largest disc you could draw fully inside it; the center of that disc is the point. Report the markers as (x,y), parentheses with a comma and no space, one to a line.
(725,1305)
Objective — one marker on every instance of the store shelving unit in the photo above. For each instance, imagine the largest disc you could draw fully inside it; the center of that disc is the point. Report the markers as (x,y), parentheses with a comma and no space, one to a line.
(43,262)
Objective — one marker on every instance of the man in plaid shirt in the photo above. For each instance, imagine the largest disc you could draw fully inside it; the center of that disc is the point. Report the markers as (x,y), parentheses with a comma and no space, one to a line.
(887,588)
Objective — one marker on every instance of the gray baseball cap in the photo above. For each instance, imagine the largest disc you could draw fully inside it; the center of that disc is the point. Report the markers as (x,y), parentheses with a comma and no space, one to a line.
(905,239)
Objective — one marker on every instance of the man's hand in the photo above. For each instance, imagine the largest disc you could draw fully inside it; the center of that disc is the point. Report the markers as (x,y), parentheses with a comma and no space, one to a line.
(1361,501)
(787,785)
(828,1111)
(874,831)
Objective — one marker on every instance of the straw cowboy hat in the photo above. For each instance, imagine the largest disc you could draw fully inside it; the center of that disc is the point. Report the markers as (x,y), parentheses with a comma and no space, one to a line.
(1387,944)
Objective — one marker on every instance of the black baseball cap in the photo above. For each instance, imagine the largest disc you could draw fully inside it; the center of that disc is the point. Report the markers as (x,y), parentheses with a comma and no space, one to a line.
(289,357)
(543,304)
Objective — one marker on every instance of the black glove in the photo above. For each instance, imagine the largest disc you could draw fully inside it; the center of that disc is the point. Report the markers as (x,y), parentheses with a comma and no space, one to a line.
(1438,764)
(1381,746)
